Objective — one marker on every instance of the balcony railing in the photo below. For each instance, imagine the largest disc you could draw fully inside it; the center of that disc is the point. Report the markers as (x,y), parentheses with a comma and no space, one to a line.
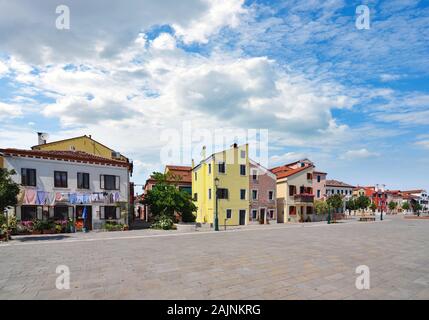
(304,197)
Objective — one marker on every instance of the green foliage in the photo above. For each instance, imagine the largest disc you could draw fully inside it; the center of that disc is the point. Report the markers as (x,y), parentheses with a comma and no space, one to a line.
(392,205)
(417,207)
(335,201)
(321,206)
(163,222)
(8,189)
(352,205)
(373,207)
(362,202)
(165,199)
(406,206)
(114,226)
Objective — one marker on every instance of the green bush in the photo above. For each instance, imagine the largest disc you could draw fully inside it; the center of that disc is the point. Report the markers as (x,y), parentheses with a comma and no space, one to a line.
(163,222)
(114,226)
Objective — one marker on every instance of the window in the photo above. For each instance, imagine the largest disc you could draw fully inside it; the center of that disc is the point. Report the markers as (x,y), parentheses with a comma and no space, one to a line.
(109,182)
(210,168)
(292,190)
(222,193)
(221,167)
(228,213)
(242,169)
(255,174)
(318,178)
(338,191)
(271,214)
(61,212)
(254,194)
(243,154)
(309,210)
(195,196)
(254,213)
(301,189)
(292,211)
(28,213)
(270,195)
(210,193)
(82,180)
(28,177)
(60,179)
(110,212)
(318,193)
(243,194)
(342,191)
(309,176)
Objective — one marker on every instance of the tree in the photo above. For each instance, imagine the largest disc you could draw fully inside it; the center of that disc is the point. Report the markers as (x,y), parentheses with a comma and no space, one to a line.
(373,207)
(362,202)
(406,206)
(351,205)
(165,199)
(8,189)
(320,206)
(335,201)
(392,205)
(416,207)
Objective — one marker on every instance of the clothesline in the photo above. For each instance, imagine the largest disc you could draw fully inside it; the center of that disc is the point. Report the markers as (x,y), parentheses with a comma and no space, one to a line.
(38,197)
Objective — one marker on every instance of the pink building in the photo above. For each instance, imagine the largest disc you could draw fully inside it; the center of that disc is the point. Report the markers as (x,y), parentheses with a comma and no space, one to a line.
(319,185)
(262,191)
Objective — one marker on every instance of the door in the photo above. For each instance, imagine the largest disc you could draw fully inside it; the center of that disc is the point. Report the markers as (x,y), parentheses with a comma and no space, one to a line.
(262,215)
(79,218)
(242,217)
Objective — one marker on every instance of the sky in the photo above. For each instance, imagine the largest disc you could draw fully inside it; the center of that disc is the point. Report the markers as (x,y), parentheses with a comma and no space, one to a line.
(135,74)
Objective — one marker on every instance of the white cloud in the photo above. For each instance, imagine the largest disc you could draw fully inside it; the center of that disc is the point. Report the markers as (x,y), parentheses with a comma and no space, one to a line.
(424,144)
(385,77)
(9,110)
(164,41)
(3,68)
(287,157)
(358,154)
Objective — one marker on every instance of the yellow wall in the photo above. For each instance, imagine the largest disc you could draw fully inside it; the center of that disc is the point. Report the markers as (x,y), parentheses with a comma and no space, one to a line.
(1,162)
(84,144)
(231,180)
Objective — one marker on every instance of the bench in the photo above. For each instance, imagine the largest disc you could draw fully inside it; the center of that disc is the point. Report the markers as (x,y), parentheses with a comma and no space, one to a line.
(369,218)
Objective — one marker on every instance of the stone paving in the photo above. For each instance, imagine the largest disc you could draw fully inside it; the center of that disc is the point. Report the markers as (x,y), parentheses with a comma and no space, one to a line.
(304,261)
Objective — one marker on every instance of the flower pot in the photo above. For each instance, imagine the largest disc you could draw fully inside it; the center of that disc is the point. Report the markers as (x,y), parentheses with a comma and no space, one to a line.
(36,232)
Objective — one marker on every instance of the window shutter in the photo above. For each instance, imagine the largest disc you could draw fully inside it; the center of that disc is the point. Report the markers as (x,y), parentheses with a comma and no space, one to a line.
(71,212)
(118,213)
(18,213)
(117,182)
(101,181)
(51,212)
(101,212)
(226,194)
(39,213)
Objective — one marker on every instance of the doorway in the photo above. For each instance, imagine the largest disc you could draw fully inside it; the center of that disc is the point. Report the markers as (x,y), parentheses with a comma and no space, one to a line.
(242,217)
(262,215)
(79,217)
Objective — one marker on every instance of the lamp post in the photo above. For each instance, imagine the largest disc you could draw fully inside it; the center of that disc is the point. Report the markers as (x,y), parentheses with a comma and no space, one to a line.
(329,213)
(216,221)
(381,205)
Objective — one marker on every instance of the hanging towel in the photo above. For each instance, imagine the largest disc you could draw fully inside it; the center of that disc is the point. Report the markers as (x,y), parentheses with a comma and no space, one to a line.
(58,197)
(94,197)
(41,196)
(72,198)
(79,198)
(21,195)
(50,198)
(86,198)
(30,196)
(117,196)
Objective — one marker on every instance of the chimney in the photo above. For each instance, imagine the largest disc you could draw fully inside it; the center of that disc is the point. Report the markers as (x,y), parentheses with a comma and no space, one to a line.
(203,153)
(235,145)
(42,137)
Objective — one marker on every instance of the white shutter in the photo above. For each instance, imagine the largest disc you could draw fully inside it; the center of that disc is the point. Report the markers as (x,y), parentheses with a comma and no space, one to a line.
(39,213)
(118,213)
(71,212)
(117,182)
(101,181)
(101,212)
(51,212)
(18,213)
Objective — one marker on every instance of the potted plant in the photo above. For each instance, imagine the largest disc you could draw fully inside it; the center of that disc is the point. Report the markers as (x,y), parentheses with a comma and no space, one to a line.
(37,226)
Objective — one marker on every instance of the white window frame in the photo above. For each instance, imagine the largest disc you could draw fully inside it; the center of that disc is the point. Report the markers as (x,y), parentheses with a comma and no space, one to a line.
(257,194)
(268,195)
(254,172)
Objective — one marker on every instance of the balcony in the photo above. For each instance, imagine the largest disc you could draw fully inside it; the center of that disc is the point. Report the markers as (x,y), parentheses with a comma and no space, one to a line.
(304,198)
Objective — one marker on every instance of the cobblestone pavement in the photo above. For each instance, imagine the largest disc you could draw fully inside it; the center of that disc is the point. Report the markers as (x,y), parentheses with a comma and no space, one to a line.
(307,261)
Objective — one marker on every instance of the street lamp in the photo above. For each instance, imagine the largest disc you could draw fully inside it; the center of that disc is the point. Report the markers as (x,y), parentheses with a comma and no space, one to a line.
(329,213)
(216,222)
(381,205)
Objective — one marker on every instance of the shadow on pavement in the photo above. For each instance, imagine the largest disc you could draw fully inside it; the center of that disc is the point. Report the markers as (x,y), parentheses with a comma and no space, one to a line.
(40,238)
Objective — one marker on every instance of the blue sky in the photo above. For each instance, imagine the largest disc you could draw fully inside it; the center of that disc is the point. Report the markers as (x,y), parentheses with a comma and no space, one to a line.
(356,102)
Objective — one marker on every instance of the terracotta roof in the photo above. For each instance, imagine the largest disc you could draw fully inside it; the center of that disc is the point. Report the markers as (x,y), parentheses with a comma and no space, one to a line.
(183,172)
(76,156)
(289,172)
(336,183)
(413,191)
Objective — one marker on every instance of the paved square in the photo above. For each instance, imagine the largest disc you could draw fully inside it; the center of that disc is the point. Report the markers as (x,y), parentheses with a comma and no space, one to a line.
(306,261)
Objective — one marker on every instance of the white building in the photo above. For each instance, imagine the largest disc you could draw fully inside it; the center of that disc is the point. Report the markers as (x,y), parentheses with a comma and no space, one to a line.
(338,187)
(421,196)
(62,184)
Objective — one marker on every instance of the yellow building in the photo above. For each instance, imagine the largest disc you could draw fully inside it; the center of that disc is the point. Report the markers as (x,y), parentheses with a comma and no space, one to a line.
(82,143)
(230,168)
